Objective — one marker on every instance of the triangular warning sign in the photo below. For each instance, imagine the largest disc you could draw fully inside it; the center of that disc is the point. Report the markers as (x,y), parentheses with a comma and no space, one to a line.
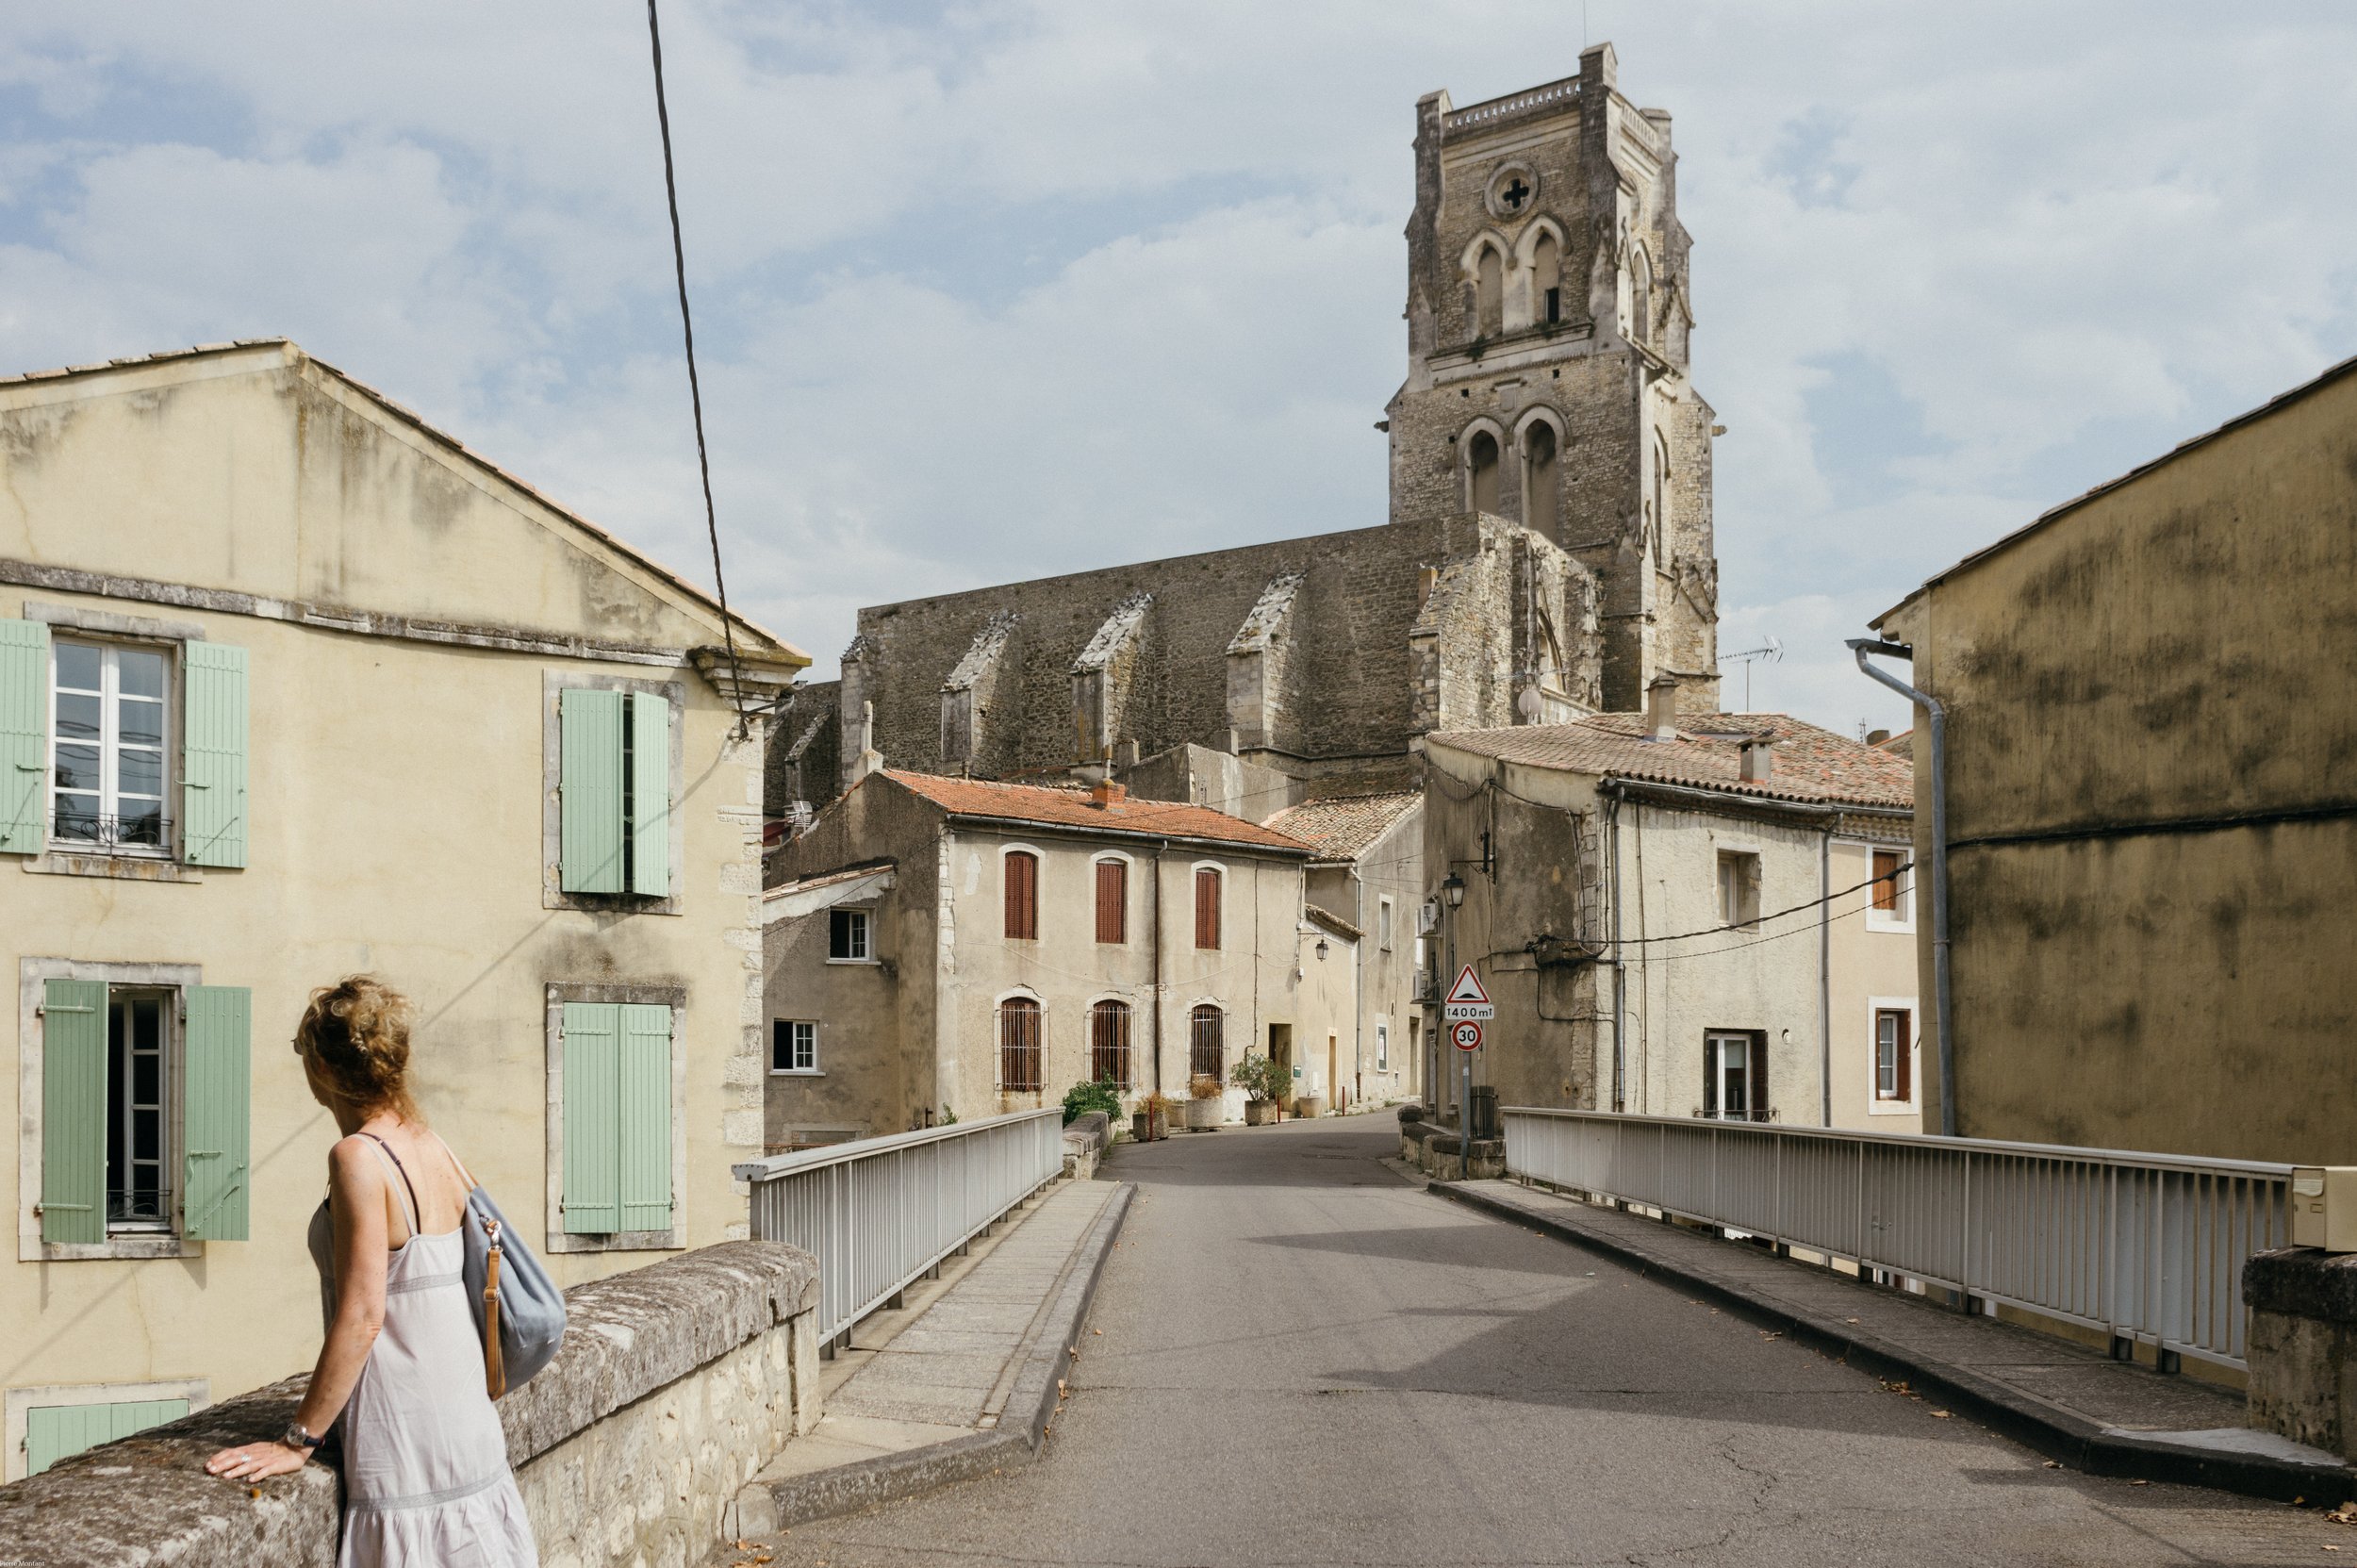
(1468,987)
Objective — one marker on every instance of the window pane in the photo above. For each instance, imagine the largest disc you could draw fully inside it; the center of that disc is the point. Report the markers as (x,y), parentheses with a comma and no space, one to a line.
(77,768)
(139,674)
(77,717)
(146,1078)
(77,816)
(138,723)
(139,772)
(141,824)
(78,667)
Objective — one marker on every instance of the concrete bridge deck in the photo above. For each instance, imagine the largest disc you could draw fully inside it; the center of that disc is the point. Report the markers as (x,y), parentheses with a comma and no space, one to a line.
(1306,1360)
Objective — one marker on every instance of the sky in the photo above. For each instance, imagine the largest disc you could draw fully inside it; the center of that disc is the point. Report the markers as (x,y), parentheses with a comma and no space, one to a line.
(988,290)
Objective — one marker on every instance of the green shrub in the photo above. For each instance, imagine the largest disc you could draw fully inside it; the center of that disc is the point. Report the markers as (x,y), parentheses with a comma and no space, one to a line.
(1081,1098)
(1261,1079)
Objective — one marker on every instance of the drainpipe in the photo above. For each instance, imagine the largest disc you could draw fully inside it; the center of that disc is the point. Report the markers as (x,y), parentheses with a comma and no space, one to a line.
(1943,1012)
(1824,973)
(1620,968)
(1158,963)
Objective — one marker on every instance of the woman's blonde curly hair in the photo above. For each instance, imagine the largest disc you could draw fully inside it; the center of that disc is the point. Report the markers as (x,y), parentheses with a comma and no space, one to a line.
(355,1037)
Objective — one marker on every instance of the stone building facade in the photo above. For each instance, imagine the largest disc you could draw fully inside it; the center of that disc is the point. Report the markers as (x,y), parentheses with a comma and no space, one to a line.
(1548,551)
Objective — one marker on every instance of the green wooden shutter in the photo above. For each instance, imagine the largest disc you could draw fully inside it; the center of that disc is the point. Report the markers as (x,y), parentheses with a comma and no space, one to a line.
(589,789)
(213,764)
(216,1103)
(24,735)
(646,1117)
(650,794)
(53,1432)
(73,1112)
(593,1154)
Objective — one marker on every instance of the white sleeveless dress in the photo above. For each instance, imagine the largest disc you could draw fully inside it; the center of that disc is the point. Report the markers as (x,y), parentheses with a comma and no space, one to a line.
(425,1463)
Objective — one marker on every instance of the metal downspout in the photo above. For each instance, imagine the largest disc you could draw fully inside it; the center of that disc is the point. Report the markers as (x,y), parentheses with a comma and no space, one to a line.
(1943,1012)
(1620,969)
(1824,973)
(1158,965)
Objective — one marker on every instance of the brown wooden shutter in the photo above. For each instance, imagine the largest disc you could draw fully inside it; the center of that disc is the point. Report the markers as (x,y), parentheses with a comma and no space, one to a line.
(1907,1052)
(1710,1074)
(1886,864)
(1207,908)
(1022,880)
(1759,1074)
(1112,900)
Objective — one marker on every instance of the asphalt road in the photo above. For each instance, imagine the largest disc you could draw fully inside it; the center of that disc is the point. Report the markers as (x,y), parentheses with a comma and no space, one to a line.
(1304,1360)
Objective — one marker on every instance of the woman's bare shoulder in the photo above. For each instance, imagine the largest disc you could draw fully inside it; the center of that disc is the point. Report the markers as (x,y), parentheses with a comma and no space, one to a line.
(352,1164)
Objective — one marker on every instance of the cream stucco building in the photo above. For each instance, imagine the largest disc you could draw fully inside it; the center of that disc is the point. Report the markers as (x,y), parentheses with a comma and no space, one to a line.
(1679,915)
(941,945)
(292,686)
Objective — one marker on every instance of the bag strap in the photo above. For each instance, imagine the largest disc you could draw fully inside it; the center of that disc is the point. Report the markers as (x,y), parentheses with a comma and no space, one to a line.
(403,1172)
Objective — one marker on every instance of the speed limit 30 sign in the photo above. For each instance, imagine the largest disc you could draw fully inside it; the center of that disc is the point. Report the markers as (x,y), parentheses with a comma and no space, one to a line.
(1465,1035)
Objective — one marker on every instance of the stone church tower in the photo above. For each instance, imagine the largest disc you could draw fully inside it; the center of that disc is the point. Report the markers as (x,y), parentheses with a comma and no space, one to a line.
(1549,316)
(1548,552)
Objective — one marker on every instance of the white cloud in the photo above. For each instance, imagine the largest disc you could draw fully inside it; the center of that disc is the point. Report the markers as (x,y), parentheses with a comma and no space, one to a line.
(1001,289)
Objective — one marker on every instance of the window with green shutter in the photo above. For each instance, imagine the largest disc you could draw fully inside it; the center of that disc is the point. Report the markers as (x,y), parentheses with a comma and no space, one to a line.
(216,1100)
(614,792)
(53,1432)
(74,1110)
(616,1061)
(24,735)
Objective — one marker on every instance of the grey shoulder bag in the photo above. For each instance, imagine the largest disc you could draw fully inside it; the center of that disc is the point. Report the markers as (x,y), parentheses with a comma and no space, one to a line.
(518,1310)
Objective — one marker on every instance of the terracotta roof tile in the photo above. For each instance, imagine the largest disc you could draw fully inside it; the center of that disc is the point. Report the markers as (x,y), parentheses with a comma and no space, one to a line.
(1342,828)
(1810,764)
(1072,808)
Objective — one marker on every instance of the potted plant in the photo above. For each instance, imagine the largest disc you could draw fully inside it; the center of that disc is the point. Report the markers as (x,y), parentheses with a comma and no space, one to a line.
(1206,1109)
(1151,1120)
(1263,1083)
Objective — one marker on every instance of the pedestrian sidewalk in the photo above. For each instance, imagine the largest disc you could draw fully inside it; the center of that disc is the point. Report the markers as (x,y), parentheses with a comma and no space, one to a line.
(2071,1402)
(962,1379)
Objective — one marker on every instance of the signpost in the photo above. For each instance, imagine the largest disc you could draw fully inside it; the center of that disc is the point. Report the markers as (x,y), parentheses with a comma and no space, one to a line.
(1465,1009)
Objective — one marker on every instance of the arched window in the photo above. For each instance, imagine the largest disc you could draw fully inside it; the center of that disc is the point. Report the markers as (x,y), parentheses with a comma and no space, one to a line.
(1660,505)
(1541,486)
(1112,900)
(1207,1042)
(1207,890)
(1481,468)
(1489,293)
(1019,870)
(1109,1044)
(1546,280)
(1019,1066)
(1640,298)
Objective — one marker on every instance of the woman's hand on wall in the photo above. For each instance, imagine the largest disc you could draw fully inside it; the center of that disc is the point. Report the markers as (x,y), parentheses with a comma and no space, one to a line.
(256,1462)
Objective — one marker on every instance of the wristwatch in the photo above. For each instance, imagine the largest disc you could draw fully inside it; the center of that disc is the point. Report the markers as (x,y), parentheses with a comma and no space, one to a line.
(295,1436)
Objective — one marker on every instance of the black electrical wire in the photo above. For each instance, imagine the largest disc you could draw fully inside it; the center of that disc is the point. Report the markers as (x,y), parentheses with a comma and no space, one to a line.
(695,392)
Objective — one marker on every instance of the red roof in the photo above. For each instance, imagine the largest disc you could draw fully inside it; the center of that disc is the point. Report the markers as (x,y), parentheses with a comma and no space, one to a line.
(1343,826)
(1038,806)
(1810,764)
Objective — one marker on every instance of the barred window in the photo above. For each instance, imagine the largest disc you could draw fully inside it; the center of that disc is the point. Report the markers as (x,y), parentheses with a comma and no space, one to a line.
(1019,1067)
(1109,1044)
(1207,1037)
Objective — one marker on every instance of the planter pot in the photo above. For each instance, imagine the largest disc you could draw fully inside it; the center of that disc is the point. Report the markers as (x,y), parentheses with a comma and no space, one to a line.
(1204,1115)
(1310,1105)
(1259,1113)
(1161,1128)
(1138,1127)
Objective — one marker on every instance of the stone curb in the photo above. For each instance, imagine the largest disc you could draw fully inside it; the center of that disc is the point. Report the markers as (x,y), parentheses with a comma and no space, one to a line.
(2043,1427)
(888,1478)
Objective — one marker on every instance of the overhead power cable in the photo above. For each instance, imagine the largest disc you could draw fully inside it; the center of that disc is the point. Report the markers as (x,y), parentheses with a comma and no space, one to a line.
(695,392)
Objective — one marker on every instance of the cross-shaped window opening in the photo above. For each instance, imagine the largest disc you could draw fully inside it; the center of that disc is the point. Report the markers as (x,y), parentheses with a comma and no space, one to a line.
(1515,194)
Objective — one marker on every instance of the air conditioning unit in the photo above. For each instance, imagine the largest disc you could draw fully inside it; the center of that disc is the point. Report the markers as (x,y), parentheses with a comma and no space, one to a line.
(1427,917)
(2324,1207)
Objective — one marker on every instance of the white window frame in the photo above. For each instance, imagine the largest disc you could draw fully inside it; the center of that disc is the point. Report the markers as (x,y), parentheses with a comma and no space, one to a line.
(110,649)
(793,1068)
(1382,1039)
(33,975)
(1386,919)
(1875,1104)
(866,933)
(1901,918)
(1750,868)
(1750,1043)
(555,1235)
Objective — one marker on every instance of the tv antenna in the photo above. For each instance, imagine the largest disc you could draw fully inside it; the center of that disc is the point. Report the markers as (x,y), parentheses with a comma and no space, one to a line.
(1770,650)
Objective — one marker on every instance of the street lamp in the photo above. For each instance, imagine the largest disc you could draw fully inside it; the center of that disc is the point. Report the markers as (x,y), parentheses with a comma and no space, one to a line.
(1452,889)
(1321,950)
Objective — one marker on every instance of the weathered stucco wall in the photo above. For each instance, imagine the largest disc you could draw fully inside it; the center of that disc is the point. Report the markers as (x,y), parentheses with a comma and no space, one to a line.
(2149,744)
(675,1385)
(397,804)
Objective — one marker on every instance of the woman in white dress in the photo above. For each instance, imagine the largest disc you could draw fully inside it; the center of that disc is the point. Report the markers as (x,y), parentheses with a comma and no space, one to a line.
(424,1461)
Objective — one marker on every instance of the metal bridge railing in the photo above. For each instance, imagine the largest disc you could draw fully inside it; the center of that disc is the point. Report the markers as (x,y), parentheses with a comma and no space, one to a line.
(879,1212)
(2149,1247)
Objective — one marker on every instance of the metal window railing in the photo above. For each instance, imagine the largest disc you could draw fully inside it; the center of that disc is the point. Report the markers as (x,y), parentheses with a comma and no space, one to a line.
(2149,1247)
(878,1213)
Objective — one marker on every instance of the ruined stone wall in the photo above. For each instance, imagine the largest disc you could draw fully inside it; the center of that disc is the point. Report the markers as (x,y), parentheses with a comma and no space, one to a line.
(805,759)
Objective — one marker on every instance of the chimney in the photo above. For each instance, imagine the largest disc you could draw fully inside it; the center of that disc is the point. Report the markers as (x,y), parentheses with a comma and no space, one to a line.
(1758,759)
(1875,737)
(1105,795)
(1662,708)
